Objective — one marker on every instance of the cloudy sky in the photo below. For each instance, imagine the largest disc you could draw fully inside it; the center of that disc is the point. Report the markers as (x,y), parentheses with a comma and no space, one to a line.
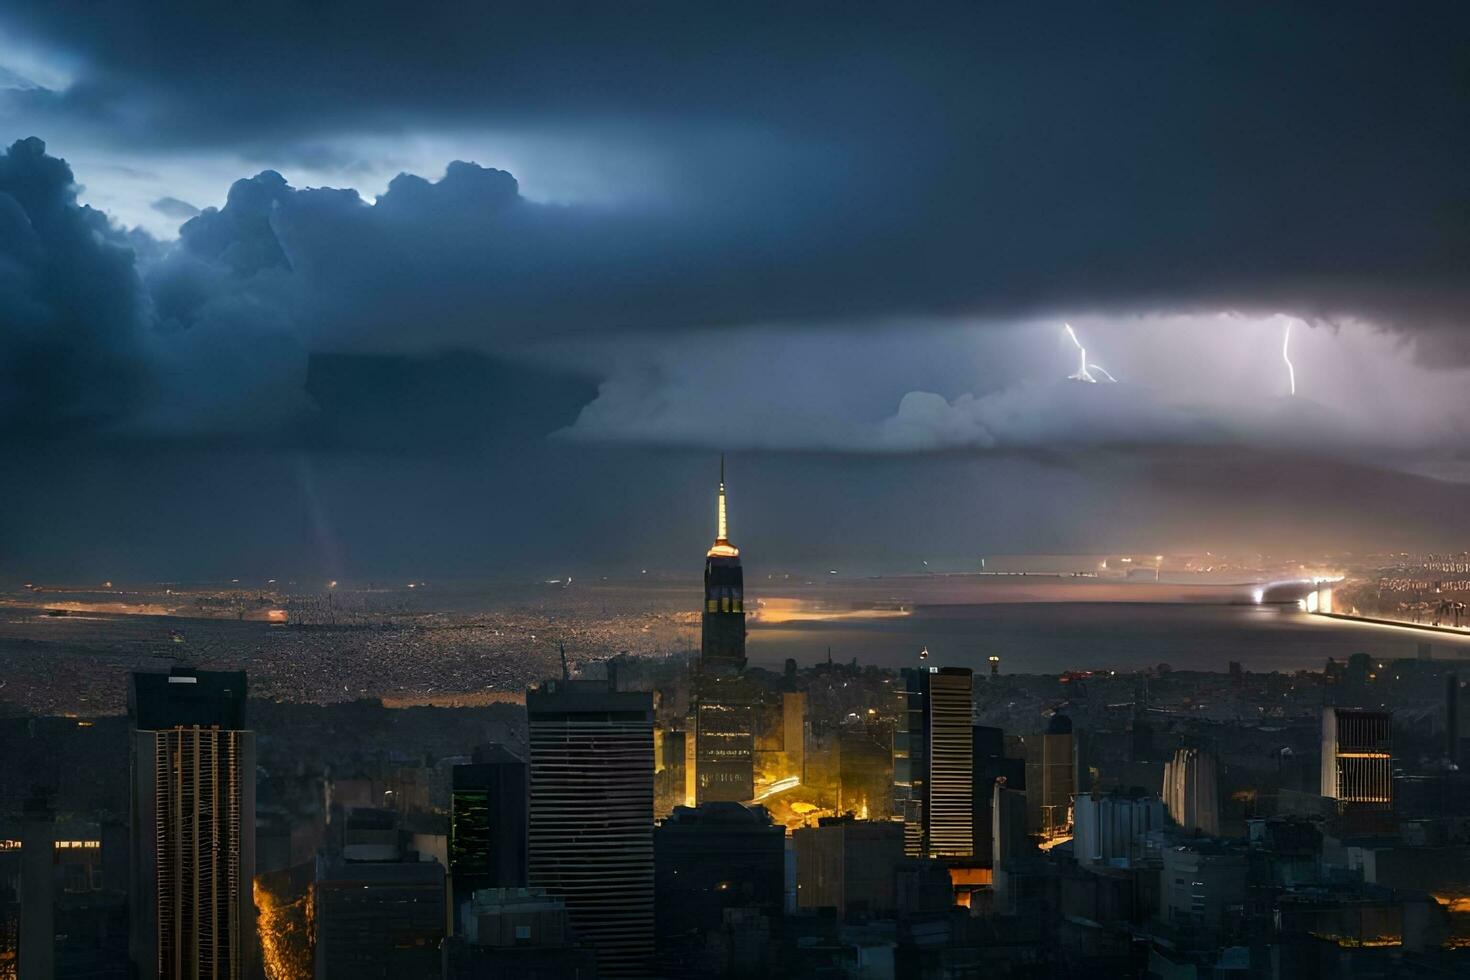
(371,289)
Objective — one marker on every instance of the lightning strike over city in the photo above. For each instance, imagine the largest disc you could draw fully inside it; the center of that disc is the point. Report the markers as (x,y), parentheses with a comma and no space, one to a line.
(596,491)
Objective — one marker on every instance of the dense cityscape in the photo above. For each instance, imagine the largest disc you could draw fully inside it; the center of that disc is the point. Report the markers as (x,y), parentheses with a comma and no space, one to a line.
(657,813)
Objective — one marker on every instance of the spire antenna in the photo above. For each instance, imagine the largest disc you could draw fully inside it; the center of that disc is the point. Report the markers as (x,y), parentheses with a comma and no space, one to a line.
(722,545)
(723,530)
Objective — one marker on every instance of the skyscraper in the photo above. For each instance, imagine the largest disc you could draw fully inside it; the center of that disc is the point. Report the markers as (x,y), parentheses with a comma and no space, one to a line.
(1192,790)
(591,828)
(1357,759)
(487,825)
(724,729)
(933,762)
(722,626)
(193,826)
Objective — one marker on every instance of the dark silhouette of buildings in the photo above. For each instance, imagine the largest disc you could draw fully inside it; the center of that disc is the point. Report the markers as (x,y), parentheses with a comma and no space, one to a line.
(37,891)
(848,865)
(707,860)
(487,825)
(1010,842)
(193,825)
(989,764)
(591,826)
(379,919)
(517,934)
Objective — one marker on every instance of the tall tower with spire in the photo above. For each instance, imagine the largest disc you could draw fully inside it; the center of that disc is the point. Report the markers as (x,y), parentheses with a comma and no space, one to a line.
(722,633)
(724,736)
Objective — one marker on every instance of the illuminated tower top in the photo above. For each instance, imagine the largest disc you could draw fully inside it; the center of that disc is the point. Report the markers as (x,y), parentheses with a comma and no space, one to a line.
(722,639)
(722,547)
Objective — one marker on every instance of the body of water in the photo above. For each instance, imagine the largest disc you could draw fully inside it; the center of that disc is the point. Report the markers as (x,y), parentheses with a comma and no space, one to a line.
(1049,637)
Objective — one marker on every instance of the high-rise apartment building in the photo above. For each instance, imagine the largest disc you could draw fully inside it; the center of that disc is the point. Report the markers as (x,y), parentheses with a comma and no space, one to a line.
(591,826)
(933,762)
(724,701)
(1357,759)
(1192,790)
(193,826)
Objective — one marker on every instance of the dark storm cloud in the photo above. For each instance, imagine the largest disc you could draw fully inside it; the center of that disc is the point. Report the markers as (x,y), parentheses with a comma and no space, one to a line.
(113,332)
(74,312)
(844,162)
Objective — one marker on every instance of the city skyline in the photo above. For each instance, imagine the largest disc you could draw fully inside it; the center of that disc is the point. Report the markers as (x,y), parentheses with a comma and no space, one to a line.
(675,491)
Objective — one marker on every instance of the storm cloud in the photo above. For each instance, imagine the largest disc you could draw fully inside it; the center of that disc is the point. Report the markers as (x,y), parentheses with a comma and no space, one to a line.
(978,160)
(793,230)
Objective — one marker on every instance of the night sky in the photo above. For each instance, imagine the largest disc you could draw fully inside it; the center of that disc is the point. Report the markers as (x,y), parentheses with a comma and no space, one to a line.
(379,289)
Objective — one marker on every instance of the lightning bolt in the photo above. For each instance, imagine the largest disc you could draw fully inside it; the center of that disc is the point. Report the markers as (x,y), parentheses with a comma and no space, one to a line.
(1084,370)
(1082,373)
(1286,356)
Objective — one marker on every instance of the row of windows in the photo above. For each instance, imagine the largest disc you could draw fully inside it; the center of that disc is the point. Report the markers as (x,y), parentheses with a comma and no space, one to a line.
(724,604)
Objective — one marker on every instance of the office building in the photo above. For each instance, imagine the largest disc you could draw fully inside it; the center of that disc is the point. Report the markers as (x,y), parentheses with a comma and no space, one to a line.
(709,859)
(1051,778)
(379,920)
(724,701)
(933,761)
(1191,790)
(192,863)
(487,824)
(848,865)
(1357,759)
(517,934)
(591,827)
